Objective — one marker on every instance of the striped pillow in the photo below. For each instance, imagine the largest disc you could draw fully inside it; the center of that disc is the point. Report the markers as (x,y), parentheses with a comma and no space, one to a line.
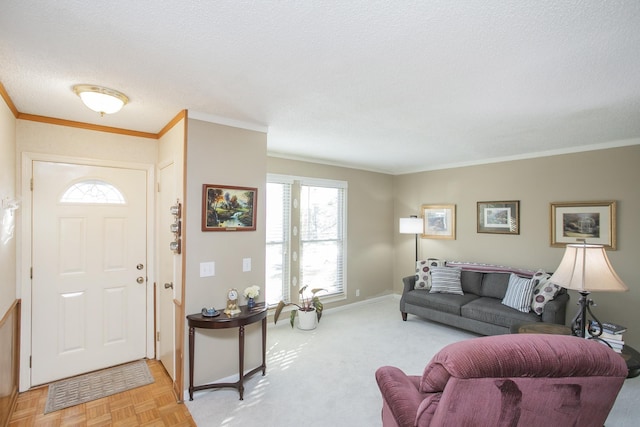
(446,280)
(519,293)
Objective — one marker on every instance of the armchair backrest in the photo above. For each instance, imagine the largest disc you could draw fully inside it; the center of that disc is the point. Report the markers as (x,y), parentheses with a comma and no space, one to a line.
(524,379)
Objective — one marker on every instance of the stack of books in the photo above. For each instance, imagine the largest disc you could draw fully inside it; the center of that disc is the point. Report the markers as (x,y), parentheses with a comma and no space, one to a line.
(611,334)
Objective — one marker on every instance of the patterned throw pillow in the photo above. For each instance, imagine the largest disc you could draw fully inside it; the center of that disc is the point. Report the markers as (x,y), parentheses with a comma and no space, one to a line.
(519,292)
(423,272)
(543,291)
(446,280)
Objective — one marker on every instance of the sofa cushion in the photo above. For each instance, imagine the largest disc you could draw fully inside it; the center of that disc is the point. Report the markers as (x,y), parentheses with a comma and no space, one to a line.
(446,303)
(519,292)
(446,280)
(491,310)
(423,275)
(543,291)
(471,282)
(423,272)
(494,285)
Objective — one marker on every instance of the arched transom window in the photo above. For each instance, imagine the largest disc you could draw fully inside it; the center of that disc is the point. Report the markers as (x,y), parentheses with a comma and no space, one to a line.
(93,191)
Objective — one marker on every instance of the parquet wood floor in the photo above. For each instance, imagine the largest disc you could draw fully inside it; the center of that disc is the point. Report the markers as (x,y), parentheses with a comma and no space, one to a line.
(150,405)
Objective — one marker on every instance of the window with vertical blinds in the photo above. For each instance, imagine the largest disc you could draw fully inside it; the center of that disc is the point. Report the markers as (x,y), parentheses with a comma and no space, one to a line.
(278,241)
(322,234)
(312,212)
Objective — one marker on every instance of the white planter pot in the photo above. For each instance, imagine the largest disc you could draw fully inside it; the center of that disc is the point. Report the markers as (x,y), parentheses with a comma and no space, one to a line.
(307,320)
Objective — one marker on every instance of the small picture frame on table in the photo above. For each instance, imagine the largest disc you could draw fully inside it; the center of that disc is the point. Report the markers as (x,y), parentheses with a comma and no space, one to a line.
(502,217)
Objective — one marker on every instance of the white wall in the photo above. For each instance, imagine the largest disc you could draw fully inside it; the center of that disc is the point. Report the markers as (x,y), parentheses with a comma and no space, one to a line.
(55,140)
(7,191)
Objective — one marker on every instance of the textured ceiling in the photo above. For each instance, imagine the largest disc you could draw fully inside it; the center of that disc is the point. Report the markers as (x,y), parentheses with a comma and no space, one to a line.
(390,86)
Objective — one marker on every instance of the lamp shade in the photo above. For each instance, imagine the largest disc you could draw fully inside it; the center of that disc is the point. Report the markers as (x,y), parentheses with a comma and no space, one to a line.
(411,225)
(101,99)
(587,268)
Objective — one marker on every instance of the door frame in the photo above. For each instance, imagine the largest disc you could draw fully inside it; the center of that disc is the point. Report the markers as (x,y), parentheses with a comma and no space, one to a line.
(177,279)
(24,250)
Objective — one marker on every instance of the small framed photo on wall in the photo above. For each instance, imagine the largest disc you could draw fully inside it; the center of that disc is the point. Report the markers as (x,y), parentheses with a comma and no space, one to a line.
(499,217)
(573,221)
(439,221)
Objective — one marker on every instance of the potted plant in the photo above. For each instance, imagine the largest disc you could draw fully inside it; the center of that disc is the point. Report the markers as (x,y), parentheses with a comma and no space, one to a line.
(310,308)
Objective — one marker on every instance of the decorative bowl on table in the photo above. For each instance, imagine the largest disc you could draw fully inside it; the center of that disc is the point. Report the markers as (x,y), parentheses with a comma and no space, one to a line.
(210,312)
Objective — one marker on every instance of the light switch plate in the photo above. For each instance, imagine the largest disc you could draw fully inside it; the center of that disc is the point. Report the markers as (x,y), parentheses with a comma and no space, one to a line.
(207,269)
(246,264)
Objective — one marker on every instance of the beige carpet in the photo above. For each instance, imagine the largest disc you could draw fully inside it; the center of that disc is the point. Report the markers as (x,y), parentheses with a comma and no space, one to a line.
(325,377)
(96,385)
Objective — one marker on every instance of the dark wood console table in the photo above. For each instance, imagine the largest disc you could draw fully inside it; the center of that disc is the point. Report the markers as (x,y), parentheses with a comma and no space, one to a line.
(246,317)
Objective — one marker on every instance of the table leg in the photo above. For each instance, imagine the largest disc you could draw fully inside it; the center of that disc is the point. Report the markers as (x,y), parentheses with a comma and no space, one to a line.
(264,346)
(241,361)
(192,339)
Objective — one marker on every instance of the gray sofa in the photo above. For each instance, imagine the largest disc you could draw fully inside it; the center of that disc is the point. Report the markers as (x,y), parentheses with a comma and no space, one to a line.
(480,309)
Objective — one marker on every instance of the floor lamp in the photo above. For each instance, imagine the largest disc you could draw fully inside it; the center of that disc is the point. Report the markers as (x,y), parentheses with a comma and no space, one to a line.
(412,225)
(586,268)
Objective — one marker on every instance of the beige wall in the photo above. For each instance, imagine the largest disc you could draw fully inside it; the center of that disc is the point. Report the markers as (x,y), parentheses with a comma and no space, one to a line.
(222,155)
(378,256)
(611,174)
(47,138)
(7,191)
(369,234)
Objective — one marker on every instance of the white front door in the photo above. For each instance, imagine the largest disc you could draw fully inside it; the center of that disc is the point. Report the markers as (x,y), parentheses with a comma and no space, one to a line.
(89,268)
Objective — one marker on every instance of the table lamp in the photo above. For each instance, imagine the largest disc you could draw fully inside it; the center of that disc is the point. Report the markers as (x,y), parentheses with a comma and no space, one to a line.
(585,268)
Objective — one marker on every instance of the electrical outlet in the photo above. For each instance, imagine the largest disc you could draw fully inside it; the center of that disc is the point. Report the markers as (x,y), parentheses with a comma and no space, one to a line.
(357,292)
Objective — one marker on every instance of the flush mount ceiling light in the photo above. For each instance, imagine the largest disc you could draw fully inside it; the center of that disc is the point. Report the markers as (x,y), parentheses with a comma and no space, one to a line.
(101,99)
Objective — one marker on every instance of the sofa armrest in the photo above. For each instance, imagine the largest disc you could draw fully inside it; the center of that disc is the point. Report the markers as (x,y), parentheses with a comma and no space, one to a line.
(556,309)
(400,393)
(409,283)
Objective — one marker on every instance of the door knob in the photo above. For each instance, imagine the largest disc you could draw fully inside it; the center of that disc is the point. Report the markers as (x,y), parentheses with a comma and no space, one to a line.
(140,266)
(140,279)
(168,285)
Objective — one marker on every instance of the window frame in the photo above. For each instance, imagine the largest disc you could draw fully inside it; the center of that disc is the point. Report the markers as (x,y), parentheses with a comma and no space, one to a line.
(294,259)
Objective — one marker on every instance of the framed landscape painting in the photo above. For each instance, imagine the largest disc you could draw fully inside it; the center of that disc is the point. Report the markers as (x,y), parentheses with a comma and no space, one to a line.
(227,208)
(573,221)
(439,221)
(499,217)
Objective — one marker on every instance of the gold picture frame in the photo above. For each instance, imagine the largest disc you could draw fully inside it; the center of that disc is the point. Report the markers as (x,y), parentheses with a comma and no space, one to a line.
(439,221)
(499,217)
(573,221)
(228,208)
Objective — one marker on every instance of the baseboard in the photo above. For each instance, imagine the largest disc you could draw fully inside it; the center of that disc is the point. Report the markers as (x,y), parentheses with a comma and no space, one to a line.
(361,303)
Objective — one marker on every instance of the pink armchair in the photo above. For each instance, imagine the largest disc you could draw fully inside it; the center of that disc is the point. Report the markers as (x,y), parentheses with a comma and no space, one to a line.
(507,381)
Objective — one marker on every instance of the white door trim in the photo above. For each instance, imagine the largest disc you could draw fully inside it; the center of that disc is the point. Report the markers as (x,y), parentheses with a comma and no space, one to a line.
(24,250)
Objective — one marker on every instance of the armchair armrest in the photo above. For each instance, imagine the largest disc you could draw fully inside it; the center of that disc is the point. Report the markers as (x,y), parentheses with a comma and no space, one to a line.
(400,393)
